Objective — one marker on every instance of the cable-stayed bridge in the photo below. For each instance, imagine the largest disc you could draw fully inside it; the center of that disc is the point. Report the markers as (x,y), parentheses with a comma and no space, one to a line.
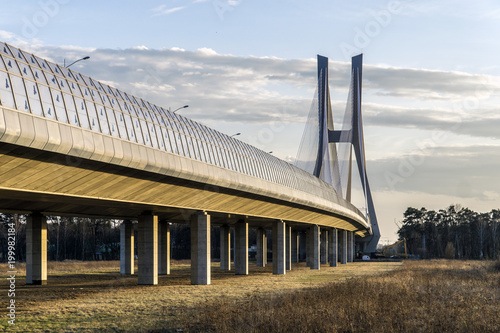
(74,146)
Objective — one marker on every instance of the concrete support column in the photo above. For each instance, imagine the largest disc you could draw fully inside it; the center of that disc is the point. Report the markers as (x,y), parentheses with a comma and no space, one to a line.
(265,249)
(343,246)
(241,248)
(164,247)
(127,247)
(279,246)
(314,247)
(324,246)
(295,246)
(147,243)
(288,247)
(36,249)
(261,239)
(333,247)
(309,249)
(225,248)
(200,248)
(350,253)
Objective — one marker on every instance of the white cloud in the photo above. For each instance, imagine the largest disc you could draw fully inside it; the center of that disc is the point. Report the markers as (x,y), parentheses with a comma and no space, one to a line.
(163,10)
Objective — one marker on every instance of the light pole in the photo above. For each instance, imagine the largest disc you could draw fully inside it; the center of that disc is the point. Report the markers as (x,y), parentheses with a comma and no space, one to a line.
(182,107)
(74,62)
(235,134)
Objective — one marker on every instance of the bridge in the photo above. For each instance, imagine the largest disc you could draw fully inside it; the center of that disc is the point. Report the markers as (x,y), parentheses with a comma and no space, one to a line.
(73,146)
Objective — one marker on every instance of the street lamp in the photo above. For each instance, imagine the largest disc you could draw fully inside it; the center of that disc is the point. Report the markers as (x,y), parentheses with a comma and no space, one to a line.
(235,134)
(182,107)
(74,62)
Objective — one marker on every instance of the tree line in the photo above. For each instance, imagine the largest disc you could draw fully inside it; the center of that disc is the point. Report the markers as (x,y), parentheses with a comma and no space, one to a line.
(454,233)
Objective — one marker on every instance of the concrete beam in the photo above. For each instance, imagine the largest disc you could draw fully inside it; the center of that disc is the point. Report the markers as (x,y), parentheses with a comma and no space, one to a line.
(200,248)
(241,248)
(324,246)
(343,246)
(295,246)
(314,247)
(147,243)
(225,248)
(36,249)
(333,247)
(288,241)
(279,246)
(127,247)
(309,249)
(265,249)
(164,248)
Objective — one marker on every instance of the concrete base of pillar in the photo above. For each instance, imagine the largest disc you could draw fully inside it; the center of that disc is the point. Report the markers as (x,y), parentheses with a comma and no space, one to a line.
(36,249)
(200,249)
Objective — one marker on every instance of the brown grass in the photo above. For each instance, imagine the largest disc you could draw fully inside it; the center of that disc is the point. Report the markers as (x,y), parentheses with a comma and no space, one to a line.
(421,296)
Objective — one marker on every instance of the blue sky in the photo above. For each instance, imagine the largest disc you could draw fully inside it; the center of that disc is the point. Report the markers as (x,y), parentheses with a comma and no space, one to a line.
(431,77)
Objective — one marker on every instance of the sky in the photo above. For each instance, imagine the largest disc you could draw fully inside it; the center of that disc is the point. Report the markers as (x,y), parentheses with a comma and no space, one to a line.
(431,78)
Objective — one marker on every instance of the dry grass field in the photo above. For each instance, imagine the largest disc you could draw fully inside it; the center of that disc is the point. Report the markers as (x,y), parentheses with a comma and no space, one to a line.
(416,296)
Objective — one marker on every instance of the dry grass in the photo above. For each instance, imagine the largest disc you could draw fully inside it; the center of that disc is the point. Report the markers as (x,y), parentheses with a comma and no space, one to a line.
(365,297)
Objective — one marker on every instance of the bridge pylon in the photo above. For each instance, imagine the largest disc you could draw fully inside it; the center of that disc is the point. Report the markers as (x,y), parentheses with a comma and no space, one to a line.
(319,153)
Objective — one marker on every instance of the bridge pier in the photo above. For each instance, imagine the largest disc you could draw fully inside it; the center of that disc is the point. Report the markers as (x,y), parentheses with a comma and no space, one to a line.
(350,246)
(313,247)
(324,246)
(288,241)
(279,246)
(241,248)
(164,248)
(225,248)
(200,248)
(261,253)
(333,247)
(295,246)
(127,247)
(36,249)
(147,234)
(343,246)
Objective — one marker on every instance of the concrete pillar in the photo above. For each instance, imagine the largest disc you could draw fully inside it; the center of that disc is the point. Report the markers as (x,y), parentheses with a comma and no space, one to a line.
(225,248)
(288,247)
(147,243)
(333,246)
(324,246)
(309,249)
(127,247)
(36,249)
(295,246)
(279,246)
(261,239)
(265,249)
(343,246)
(314,247)
(241,248)
(200,248)
(303,246)
(350,253)
(164,247)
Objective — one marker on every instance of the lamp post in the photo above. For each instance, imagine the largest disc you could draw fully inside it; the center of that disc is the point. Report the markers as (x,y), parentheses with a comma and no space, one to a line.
(235,134)
(182,107)
(74,62)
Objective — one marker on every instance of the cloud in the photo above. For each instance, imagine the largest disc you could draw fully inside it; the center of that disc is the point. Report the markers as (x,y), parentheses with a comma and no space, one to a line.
(163,10)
